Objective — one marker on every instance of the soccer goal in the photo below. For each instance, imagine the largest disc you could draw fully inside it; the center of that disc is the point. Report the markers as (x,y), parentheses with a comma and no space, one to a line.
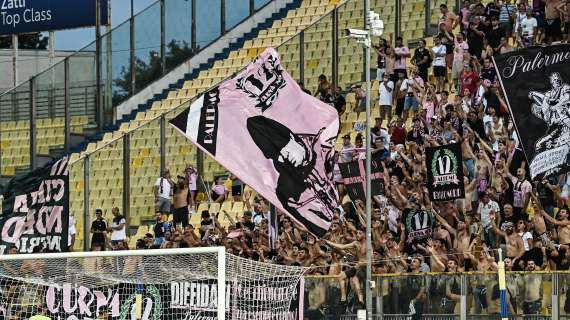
(189,283)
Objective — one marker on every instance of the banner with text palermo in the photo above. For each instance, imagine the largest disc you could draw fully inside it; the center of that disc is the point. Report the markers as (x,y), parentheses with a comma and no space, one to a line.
(536,83)
(27,16)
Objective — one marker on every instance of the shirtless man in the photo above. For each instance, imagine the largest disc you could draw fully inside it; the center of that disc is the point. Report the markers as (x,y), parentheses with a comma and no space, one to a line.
(470,190)
(538,222)
(483,165)
(438,255)
(467,152)
(562,225)
(358,249)
(181,203)
(513,241)
(553,22)
(461,237)
(485,262)
(335,233)
(441,233)
(532,290)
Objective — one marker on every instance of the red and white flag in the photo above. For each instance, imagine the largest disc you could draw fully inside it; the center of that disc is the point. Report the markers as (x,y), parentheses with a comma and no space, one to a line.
(261,127)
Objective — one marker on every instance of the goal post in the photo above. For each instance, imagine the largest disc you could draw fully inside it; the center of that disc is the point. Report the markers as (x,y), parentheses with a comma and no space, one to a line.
(182,283)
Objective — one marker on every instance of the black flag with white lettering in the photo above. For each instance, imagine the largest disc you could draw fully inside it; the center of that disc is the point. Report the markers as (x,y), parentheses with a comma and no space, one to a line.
(536,83)
(354,178)
(445,172)
(35,210)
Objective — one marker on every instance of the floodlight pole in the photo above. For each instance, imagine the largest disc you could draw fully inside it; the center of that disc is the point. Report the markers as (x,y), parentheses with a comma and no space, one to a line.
(368,284)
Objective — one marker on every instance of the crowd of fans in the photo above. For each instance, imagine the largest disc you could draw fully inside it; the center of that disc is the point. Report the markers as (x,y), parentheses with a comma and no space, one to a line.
(426,97)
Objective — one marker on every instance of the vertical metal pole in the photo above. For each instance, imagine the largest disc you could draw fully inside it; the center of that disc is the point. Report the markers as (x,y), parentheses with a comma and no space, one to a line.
(51,44)
(555,296)
(86,225)
(222,17)
(51,57)
(379,298)
(200,166)
(335,46)
(368,171)
(15,59)
(33,114)
(163,36)
(427,13)
(463,298)
(132,50)
(126,176)
(109,65)
(251,7)
(398,27)
(98,103)
(221,284)
(193,27)
(67,101)
(302,56)
(365,9)
(162,143)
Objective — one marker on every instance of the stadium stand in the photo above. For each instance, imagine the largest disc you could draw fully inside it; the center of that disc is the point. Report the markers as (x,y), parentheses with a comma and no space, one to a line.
(463,221)
(312,17)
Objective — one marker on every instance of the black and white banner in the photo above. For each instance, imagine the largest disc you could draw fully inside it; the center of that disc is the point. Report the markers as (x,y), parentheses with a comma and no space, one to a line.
(445,172)
(419,225)
(178,300)
(244,300)
(536,82)
(35,210)
(354,178)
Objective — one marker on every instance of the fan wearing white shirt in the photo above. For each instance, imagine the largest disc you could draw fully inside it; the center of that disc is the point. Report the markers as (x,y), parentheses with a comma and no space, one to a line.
(163,190)
(71,232)
(386,89)
(528,28)
(439,69)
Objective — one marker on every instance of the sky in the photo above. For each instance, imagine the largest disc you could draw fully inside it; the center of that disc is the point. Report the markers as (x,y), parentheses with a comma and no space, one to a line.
(79,38)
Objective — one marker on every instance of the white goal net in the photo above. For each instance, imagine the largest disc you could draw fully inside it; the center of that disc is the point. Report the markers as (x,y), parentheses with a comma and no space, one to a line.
(147,284)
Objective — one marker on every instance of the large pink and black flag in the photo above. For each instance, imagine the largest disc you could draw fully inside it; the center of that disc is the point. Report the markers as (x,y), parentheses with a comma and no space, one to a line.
(260,126)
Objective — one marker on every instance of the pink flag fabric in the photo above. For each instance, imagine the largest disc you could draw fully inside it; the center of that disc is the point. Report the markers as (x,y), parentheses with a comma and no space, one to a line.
(262,128)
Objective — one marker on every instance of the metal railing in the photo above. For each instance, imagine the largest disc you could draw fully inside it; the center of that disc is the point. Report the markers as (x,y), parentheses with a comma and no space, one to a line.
(537,295)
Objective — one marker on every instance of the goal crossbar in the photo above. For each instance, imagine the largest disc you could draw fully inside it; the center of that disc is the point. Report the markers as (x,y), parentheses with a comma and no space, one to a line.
(124,253)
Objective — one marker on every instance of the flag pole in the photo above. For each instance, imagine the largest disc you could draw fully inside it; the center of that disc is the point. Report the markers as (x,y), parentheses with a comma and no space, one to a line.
(503,287)
(369,283)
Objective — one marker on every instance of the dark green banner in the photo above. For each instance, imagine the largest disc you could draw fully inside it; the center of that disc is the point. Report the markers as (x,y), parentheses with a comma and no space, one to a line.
(445,172)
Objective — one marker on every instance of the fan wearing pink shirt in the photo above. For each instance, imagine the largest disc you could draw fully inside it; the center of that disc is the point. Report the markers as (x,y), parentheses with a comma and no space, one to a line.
(402,52)
(219,191)
(465,14)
